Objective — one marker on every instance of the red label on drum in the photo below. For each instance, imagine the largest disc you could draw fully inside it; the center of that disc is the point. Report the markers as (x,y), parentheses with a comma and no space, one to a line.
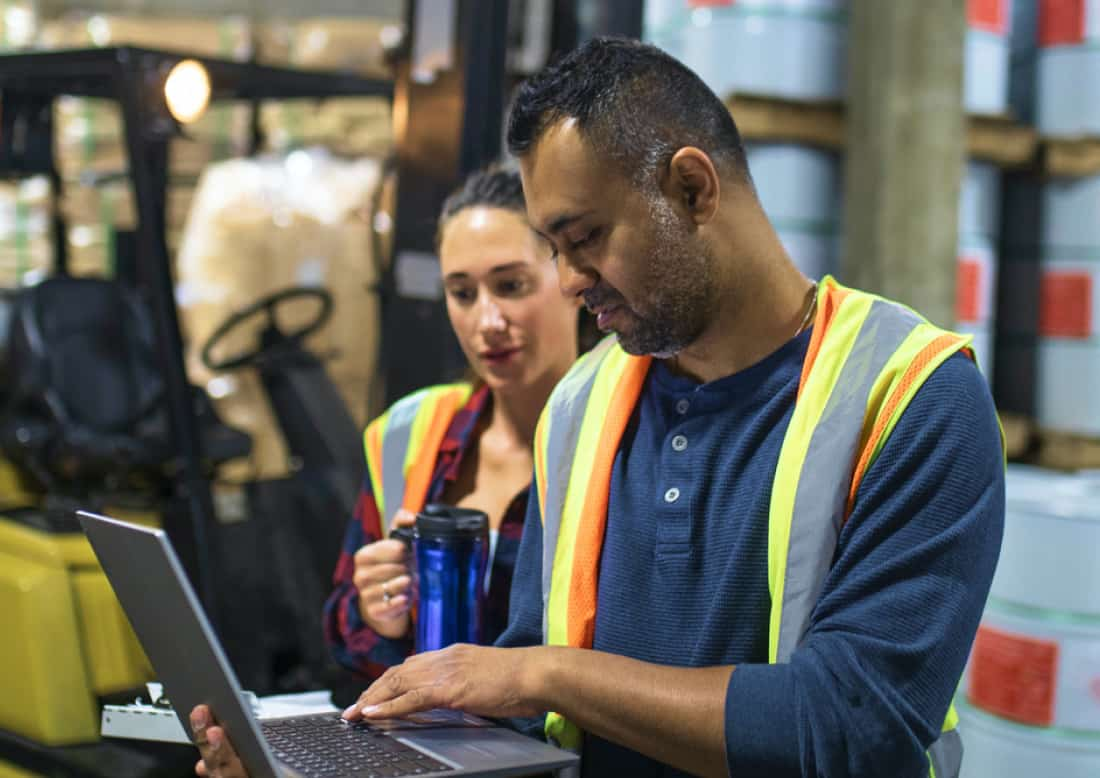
(1013,676)
(1061,22)
(988,15)
(1065,304)
(968,290)
(708,3)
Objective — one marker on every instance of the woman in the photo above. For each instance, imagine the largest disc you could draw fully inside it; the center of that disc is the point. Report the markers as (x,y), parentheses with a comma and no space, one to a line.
(471,442)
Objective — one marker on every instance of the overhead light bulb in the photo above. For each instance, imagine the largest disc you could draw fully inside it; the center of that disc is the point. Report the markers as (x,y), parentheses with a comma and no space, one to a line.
(187,90)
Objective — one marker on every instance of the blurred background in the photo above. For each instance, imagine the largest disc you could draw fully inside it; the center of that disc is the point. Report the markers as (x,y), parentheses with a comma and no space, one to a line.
(217,264)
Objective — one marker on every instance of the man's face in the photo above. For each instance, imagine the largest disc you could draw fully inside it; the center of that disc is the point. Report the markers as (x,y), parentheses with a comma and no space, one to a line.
(637,260)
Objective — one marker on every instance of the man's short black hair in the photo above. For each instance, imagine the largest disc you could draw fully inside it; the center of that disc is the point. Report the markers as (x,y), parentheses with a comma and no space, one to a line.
(631,101)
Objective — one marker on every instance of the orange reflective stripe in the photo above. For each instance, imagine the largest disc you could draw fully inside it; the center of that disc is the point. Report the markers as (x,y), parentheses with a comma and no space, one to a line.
(419,476)
(372,440)
(581,620)
(882,420)
(829,303)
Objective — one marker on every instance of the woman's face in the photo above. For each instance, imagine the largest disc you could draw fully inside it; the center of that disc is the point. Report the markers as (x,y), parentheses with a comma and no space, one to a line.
(512,321)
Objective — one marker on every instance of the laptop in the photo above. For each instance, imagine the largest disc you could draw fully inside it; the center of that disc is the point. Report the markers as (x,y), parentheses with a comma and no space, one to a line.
(169,621)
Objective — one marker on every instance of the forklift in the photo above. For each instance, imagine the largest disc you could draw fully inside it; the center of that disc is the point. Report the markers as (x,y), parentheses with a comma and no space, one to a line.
(96,412)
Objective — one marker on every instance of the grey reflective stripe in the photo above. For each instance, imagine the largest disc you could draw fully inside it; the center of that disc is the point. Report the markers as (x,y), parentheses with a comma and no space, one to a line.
(946,754)
(826,473)
(565,417)
(395,442)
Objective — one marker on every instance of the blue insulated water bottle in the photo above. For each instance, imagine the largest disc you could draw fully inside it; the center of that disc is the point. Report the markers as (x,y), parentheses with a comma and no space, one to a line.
(452,552)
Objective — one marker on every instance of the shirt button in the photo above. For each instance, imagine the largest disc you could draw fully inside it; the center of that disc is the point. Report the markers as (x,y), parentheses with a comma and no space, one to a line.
(682,406)
(672,495)
(679,443)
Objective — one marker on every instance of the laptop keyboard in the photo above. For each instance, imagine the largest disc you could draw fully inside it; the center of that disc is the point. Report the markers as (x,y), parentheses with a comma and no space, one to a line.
(324,745)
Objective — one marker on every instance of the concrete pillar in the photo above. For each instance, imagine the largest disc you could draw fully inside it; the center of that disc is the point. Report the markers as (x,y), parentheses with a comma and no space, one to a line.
(906,136)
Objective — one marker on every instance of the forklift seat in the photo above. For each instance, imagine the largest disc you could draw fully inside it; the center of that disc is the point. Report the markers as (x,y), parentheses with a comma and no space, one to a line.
(85,397)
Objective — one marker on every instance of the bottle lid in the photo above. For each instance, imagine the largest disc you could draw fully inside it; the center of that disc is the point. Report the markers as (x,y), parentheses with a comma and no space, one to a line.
(446,521)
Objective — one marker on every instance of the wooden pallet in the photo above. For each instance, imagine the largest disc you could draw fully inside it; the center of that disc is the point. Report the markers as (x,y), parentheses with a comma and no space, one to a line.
(1072,157)
(995,139)
(1066,451)
(1019,433)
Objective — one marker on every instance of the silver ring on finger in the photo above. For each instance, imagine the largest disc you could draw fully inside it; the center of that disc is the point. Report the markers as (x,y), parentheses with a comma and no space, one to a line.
(386,596)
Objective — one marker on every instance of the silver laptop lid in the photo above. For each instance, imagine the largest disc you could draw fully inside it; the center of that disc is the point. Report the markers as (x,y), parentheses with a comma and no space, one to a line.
(149,581)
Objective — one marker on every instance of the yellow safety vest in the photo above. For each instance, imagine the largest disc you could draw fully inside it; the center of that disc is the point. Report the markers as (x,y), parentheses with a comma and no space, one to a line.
(402,445)
(867,358)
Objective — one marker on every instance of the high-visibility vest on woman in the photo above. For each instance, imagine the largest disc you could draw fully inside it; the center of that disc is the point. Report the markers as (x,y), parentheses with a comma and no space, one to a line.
(402,444)
(866,359)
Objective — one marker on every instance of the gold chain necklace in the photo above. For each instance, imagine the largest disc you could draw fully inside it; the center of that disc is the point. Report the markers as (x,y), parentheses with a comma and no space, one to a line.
(809,310)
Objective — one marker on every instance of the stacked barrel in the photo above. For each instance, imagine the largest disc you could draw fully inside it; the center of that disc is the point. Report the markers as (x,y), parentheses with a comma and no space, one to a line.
(977,259)
(1030,702)
(799,188)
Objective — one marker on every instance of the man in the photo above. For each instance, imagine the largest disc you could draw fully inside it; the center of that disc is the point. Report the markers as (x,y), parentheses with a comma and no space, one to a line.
(767,517)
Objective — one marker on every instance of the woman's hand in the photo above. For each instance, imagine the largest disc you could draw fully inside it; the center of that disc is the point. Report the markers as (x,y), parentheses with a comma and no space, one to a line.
(219,760)
(383,581)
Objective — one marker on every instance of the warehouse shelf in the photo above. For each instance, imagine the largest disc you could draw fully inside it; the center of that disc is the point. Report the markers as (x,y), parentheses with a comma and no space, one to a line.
(995,139)
(1067,451)
(1071,157)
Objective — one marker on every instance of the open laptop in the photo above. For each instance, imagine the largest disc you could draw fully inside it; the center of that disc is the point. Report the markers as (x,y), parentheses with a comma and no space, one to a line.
(166,615)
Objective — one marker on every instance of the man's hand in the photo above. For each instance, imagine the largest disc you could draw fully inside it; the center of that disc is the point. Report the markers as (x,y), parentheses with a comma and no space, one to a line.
(382,579)
(219,760)
(497,682)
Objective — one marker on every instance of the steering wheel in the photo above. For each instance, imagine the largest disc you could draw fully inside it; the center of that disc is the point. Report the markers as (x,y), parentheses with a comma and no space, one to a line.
(267,306)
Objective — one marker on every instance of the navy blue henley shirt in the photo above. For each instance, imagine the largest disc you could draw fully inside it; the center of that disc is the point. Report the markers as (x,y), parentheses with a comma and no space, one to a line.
(683,575)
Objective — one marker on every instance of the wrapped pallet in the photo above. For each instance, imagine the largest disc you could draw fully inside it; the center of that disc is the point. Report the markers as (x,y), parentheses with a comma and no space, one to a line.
(89,132)
(258,226)
(18,24)
(228,37)
(352,126)
(26,248)
(90,140)
(353,44)
(95,213)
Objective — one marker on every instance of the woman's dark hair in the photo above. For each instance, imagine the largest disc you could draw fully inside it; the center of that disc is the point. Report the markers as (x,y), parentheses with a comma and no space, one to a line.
(494,187)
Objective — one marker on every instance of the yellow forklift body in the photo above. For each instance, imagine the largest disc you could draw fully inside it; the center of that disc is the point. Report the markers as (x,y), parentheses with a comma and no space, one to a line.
(69,640)
(11,771)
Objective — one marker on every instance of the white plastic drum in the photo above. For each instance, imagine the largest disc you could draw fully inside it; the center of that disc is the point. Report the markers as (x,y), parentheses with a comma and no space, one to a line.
(977,259)
(1029,704)
(1068,386)
(784,48)
(1050,555)
(985,82)
(799,188)
(976,276)
(1037,668)
(1068,76)
(995,748)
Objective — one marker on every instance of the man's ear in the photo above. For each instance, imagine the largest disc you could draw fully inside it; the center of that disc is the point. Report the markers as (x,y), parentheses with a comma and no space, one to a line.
(693,184)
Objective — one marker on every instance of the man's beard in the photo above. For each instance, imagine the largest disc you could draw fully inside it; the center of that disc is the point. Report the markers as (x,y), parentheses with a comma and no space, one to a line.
(677,275)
